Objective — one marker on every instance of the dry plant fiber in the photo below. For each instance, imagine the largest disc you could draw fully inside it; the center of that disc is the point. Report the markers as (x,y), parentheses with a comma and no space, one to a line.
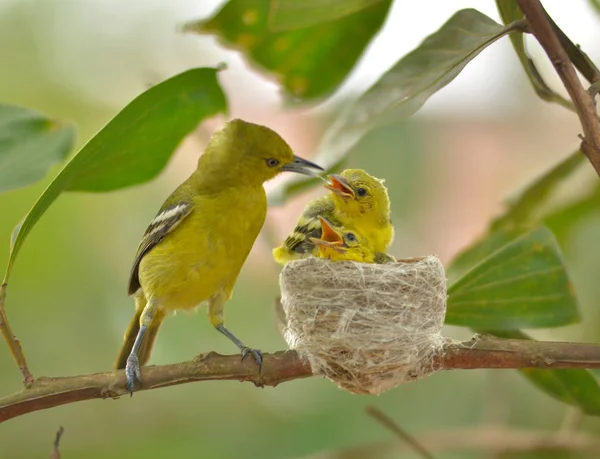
(366,327)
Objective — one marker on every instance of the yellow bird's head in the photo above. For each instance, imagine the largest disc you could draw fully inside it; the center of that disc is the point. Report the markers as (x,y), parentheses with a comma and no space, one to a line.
(356,192)
(339,244)
(248,153)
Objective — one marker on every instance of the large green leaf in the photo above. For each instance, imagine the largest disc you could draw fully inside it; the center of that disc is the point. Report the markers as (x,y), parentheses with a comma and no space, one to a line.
(523,284)
(30,144)
(573,386)
(522,207)
(136,144)
(310,63)
(480,250)
(403,89)
(509,12)
(562,221)
(297,14)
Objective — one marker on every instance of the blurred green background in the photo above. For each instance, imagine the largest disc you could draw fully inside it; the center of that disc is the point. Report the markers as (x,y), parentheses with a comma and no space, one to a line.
(447,170)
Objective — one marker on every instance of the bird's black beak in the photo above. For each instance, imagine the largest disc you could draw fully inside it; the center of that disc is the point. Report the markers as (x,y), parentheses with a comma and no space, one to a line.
(302,166)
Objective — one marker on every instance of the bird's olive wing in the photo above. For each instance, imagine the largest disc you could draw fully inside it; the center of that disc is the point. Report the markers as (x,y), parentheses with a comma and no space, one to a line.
(166,221)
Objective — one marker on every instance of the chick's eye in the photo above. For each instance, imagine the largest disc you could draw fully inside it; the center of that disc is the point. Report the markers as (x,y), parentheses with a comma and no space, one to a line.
(272,162)
(361,192)
(351,237)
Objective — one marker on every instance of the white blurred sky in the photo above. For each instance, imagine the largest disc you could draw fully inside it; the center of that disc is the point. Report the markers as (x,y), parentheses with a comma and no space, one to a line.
(110,50)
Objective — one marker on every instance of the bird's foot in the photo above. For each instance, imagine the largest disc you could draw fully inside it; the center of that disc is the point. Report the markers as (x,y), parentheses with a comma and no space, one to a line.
(132,371)
(256,353)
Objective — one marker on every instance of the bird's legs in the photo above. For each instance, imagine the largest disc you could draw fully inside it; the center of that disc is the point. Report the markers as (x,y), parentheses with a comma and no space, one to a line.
(215,314)
(132,368)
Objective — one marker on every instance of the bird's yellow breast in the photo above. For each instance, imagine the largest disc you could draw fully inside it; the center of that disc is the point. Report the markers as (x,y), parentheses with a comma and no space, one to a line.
(204,254)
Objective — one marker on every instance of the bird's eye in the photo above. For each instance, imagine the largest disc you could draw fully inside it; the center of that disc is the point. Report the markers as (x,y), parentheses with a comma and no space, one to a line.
(351,237)
(361,192)
(272,162)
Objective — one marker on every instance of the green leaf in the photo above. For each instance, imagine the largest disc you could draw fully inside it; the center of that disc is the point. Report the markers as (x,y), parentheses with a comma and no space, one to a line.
(30,144)
(573,386)
(509,12)
(523,284)
(522,210)
(297,14)
(480,250)
(136,144)
(310,63)
(403,89)
(563,220)
(522,207)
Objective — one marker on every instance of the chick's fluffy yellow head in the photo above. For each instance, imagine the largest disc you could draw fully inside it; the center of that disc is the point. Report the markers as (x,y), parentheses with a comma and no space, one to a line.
(357,192)
(249,153)
(339,244)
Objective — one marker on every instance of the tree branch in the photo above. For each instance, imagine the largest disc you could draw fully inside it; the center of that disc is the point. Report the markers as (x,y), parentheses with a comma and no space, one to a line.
(541,27)
(282,366)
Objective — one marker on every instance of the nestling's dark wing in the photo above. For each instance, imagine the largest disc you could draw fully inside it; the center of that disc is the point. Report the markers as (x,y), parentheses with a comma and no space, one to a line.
(166,221)
(309,225)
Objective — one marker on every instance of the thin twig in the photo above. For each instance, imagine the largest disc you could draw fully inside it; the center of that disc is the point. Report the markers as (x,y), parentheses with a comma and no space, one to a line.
(542,29)
(571,421)
(14,345)
(486,439)
(282,366)
(56,452)
(404,436)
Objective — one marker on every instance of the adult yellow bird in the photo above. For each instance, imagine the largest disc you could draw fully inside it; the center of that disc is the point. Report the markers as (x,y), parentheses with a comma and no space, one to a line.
(340,244)
(194,248)
(357,200)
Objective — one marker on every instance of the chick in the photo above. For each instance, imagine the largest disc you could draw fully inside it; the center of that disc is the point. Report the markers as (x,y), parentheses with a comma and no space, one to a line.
(338,244)
(357,200)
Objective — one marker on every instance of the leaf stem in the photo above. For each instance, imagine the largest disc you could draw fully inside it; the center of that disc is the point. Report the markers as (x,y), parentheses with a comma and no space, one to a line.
(14,345)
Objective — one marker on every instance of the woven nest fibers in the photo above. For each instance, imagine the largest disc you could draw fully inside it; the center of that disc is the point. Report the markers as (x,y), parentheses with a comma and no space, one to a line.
(366,327)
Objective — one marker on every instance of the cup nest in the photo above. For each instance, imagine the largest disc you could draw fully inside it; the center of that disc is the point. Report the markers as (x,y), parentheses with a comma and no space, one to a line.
(366,327)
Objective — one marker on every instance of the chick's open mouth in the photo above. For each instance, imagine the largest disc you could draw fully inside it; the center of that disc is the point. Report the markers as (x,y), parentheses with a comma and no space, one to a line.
(340,186)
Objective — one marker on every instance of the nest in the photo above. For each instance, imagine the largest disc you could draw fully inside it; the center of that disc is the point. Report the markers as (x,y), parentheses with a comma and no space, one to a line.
(366,327)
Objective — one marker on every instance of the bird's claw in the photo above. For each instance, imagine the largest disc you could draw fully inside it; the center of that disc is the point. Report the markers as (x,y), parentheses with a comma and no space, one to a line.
(132,371)
(256,353)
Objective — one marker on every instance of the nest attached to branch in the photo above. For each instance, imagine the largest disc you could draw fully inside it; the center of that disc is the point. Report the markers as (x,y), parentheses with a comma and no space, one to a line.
(366,327)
